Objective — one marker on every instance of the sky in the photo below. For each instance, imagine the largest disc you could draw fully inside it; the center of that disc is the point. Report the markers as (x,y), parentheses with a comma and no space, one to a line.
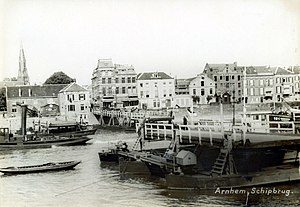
(177,37)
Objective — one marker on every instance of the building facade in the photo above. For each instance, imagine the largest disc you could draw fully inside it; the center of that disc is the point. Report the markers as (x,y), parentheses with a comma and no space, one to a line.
(228,80)
(202,89)
(38,98)
(74,102)
(156,90)
(271,85)
(114,85)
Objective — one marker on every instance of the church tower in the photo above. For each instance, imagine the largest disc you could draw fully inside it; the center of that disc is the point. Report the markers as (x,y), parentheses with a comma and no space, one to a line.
(23,73)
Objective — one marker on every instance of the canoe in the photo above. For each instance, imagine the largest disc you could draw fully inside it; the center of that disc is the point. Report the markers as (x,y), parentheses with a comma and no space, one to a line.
(51,166)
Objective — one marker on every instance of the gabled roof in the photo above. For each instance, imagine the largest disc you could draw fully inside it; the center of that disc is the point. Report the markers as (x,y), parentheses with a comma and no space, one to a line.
(221,67)
(260,70)
(283,71)
(153,76)
(47,90)
(296,69)
(105,63)
(73,87)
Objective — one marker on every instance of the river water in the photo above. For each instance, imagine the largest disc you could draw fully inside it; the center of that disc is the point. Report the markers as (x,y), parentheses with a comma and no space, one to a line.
(91,184)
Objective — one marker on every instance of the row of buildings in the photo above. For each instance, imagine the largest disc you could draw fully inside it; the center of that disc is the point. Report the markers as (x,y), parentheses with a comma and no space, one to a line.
(118,86)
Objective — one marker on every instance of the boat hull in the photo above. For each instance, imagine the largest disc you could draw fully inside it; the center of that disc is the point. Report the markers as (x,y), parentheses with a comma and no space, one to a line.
(40,168)
(110,156)
(44,143)
(276,175)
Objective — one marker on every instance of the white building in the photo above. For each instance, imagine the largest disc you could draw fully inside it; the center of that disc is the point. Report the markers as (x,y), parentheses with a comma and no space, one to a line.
(202,87)
(74,102)
(156,90)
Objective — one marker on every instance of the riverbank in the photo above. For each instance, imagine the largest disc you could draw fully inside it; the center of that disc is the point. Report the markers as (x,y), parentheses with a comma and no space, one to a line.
(207,112)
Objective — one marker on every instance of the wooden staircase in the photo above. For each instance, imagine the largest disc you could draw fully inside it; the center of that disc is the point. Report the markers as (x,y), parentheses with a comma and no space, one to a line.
(136,143)
(220,162)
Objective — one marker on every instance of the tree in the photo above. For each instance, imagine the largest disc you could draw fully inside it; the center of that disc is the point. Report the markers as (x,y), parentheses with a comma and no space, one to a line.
(196,99)
(59,78)
(3,99)
(208,98)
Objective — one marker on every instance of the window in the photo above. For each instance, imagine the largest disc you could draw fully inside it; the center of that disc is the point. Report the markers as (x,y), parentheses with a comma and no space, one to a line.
(82,107)
(109,80)
(133,89)
(227,78)
(129,89)
(261,91)
(251,82)
(194,91)
(202,83)
(123,90)
(141,84)
(104,91)
(278,89)
(147,94)
(251,91)
(14,110)
(141,94)
(202,92)
(109,90)
(133,79)
(220,77)
(129,80)
(117,90)
(117,80)
(70,97)
(29,92)
(256,117)
(215,78)
(81,97)
(232,77)
(123,80)
(261,82)
(239,77)
(103,80)
(154,104)
(210,91)
(20,92)
(71,107)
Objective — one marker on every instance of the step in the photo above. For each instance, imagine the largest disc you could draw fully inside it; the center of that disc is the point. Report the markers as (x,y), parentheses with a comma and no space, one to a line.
(217,172)
(219,164)
(217,168)
(220,160)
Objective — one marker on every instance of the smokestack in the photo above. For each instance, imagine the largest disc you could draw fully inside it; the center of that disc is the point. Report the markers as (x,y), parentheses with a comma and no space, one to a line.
(23,119)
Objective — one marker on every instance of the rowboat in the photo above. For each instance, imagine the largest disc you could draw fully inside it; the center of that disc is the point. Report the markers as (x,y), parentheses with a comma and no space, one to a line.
(51,166)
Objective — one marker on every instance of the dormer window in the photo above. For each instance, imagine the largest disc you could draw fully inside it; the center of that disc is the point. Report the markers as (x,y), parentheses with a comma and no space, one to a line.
(20,92)
(155,75)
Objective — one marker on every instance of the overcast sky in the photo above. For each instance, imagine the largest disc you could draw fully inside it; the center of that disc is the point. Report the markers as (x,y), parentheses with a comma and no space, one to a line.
(178,37)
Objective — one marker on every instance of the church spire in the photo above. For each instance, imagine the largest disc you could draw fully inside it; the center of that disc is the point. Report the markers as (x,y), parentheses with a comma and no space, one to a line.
(23,73)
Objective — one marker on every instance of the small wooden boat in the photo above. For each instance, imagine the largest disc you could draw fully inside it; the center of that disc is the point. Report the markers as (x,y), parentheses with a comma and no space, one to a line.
(51,166)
